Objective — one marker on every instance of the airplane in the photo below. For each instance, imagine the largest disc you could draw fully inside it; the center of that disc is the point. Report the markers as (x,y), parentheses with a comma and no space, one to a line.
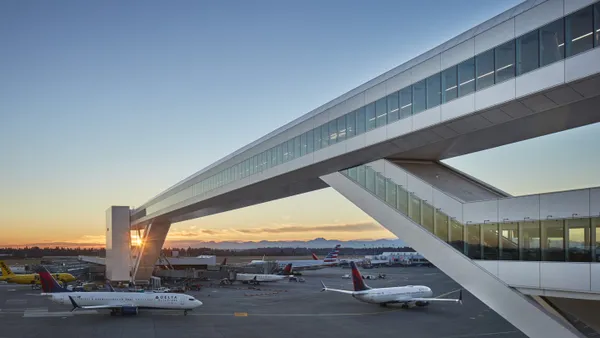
(124,303)
(409,295)
(257,278)
(32,279)
(308,264)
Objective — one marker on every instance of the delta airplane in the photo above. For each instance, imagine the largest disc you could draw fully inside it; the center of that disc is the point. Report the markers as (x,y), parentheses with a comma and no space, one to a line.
(409,295)
(30,278)
(308,264)
(124,303)
(256,278)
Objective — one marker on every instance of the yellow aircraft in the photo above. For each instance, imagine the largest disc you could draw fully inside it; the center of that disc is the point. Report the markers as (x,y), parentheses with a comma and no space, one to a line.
(30,278)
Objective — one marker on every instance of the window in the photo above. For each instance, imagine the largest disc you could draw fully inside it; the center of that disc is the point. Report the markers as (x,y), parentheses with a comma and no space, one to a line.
(428,216)
(324,135)
(457,235)
(552,42)
(310,142)
(473,241)
(280,154)
(370,182)
(317,138)
(303,144)
(414,208)
(390,192)
(596,229)
(402,196)
(580,240)
(484,64)
(597,23)
(284,146)
(361,121)
(291,148)
(371,123)
(449,85)
(528,55)
(580,31)
(490,241)
(380,186)
(362,176)
(392,107)
(553,240)
(441,225)
(505,61)
(350,124)
(333,130)
(434,85)
(419,99)
(341,128)
(381,112)
(405,102)
(466,77)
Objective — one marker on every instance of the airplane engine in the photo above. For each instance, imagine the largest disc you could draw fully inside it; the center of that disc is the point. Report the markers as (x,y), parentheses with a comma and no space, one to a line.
(129,310)
(422,304)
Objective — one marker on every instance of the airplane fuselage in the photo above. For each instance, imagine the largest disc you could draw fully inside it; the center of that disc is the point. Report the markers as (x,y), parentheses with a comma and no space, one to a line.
(132,299)
(248,277)
(393,294)
(35,278)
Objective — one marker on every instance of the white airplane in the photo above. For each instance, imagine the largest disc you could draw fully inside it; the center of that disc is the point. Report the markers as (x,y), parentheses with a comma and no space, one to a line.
(307,264)
(124,303)
(257,278)
(409,295)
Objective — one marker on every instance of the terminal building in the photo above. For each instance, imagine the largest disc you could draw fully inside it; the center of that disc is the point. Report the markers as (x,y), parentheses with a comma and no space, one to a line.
(530,71)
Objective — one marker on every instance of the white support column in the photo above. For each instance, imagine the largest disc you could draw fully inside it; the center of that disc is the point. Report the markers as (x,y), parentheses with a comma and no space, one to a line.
(118,242)
(507,302)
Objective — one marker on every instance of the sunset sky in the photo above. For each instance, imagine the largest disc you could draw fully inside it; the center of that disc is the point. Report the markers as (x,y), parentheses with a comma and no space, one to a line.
(110,103)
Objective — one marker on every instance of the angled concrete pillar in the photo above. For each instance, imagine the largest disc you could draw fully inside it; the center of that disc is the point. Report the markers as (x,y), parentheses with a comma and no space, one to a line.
(507,302)
(152,242)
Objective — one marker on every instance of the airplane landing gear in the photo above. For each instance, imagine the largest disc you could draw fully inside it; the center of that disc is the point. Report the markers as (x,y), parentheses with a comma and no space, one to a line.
(185,312)
(405,306)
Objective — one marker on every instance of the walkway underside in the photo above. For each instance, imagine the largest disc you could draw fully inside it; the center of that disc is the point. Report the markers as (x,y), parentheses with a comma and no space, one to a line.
(517,308)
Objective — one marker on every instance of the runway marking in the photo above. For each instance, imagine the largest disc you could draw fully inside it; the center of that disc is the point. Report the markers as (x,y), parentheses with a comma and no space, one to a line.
(240,314)
(16,301)
(481,334)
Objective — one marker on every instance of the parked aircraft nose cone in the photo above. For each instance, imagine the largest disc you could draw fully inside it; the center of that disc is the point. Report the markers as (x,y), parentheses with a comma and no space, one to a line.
(198,303)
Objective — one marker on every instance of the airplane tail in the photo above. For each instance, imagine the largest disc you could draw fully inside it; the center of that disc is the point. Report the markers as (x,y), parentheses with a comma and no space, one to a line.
(5,269)
(332,257)
(224,261)
(315,257)
(357,279)
(288,269)
(49,284)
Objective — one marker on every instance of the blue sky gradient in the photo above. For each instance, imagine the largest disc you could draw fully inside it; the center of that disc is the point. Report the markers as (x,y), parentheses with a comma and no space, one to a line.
(109,103)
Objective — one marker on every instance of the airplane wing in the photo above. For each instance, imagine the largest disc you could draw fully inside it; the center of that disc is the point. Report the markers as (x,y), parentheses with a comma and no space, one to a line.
(97,307)
(436,299)
(348,292)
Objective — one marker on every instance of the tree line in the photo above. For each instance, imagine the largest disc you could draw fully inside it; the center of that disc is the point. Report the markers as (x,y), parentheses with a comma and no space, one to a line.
(37,252)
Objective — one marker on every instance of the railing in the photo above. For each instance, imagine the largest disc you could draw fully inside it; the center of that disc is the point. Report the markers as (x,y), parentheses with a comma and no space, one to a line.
(563,240)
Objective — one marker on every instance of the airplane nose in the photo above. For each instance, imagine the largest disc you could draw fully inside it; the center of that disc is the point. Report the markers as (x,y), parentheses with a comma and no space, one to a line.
(198,303)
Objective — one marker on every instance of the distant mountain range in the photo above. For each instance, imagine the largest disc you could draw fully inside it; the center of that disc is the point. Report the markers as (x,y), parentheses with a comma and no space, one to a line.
(316,243)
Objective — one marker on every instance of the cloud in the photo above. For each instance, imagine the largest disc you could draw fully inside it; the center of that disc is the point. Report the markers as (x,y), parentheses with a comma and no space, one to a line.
(353,227)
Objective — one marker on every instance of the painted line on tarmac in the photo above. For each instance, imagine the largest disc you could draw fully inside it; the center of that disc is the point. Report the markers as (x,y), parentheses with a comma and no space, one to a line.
(481,334)
(447,293)
(246,314)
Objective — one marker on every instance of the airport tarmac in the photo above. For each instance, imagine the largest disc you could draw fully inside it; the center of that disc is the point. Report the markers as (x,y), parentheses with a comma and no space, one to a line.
(282,309)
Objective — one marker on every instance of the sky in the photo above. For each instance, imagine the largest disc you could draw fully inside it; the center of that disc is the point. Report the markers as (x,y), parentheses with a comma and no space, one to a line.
(110,103)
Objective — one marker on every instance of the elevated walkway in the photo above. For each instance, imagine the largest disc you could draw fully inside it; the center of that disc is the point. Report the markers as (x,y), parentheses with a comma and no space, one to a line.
(487,246)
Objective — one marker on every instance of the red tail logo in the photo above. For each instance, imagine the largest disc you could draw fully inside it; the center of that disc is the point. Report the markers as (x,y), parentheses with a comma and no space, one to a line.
(357,280)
